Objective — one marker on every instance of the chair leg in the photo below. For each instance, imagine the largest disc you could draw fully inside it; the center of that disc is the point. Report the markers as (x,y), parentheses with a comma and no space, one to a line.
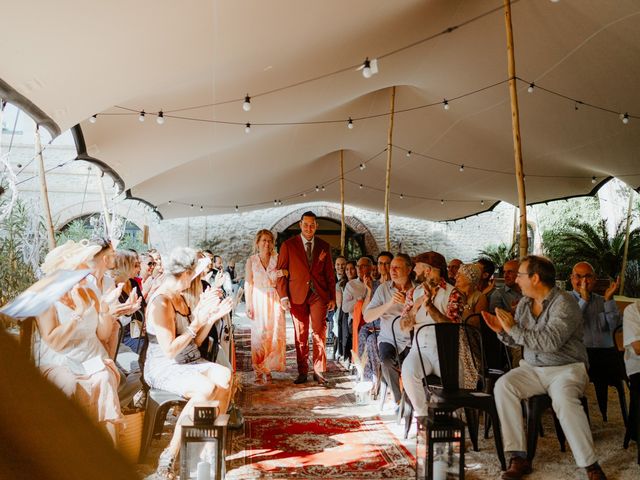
(602,393)
(408,419)
(487,425)
(619,386)
(497,436)
(148,426)
(533,422)
(471,415)
(383,393)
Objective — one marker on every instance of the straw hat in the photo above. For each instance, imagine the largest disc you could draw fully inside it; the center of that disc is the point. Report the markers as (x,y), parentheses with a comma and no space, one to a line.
(69,256)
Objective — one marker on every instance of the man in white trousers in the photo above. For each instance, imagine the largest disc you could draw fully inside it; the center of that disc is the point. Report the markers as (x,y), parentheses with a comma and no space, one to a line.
(548,324)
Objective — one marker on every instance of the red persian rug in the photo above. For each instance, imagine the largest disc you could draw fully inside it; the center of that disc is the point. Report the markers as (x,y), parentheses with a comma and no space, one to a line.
(328,448)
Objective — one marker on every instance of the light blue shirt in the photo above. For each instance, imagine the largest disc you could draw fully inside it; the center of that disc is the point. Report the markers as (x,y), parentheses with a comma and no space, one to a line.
(600,320)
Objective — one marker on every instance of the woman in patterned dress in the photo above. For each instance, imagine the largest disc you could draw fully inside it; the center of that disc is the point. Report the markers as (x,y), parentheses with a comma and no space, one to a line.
(268,333)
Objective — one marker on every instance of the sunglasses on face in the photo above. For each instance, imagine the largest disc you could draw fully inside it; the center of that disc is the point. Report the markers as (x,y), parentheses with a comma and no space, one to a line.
(151,264)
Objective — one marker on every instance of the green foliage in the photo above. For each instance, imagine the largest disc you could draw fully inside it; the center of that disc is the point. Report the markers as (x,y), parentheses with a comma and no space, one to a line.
(76,230)
(581,241)
(133,241)
(499,254)
(15,273)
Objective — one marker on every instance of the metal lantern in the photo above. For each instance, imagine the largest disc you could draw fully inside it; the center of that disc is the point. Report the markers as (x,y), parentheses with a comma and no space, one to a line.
(202,450)
(440,447)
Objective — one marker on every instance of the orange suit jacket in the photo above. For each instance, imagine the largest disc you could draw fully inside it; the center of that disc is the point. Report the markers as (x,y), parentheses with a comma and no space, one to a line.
(293,258)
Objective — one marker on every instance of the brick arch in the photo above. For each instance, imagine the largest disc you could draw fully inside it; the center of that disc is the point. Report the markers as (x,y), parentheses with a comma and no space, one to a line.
(333,213)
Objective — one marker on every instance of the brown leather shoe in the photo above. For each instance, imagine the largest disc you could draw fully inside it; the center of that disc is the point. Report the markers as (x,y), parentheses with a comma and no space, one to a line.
(518,467)
(594,472)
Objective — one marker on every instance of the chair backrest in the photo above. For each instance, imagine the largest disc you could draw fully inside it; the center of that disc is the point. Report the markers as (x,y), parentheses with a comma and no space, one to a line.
(120,338)
(142,358)
(448,343)
(495,353)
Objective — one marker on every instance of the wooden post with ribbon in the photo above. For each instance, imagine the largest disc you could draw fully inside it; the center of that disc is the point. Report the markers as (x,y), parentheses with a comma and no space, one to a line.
(44,192)
(343,227)
(387,190)
(105,210)
(626,245)
(515,123)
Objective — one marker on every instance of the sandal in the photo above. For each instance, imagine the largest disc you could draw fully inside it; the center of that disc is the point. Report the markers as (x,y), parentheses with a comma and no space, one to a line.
(166,465)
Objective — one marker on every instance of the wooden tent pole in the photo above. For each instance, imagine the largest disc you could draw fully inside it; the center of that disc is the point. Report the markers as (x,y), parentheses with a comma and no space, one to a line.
(515,123)
(103,198)
(387,190)
(343,227)
(44,192)
(626,245)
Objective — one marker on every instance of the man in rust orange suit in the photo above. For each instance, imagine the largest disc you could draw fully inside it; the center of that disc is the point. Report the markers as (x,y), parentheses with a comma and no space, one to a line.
(308,291)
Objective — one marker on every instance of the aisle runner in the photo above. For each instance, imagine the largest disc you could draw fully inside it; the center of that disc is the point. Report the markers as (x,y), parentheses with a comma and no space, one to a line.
(308,431)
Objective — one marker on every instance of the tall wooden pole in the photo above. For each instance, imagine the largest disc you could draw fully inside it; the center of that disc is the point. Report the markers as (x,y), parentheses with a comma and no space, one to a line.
(44,193)
(105,209)
(515,123)
(343,227)
(626,245)
(387,190)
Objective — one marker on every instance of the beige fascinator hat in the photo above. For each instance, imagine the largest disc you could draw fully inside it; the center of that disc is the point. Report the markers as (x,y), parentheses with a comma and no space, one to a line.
(69,256)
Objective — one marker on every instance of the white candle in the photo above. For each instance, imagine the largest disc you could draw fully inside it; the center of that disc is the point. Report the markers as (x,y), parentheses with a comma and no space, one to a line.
(439,470)
(204,469)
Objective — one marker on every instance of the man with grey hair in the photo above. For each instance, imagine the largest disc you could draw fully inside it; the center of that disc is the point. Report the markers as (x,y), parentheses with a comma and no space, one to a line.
(548,324)
(358,289)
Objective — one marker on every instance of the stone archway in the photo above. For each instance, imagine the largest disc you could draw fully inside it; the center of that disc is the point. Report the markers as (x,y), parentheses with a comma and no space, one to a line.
(333,213)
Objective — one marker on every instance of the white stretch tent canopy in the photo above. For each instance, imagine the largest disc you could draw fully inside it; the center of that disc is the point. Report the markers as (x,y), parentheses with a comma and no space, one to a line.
(70,59)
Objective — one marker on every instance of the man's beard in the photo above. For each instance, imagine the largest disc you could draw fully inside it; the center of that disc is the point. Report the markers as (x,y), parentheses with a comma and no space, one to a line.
(420,278)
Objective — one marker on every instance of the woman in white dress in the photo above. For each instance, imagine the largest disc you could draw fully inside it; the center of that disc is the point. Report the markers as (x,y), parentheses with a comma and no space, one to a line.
(174,332)
(268,333)
(71,353)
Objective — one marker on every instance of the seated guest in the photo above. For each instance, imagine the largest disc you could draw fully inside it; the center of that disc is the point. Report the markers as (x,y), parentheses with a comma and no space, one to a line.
(548,324)
(71,351)
(507,296)
(452,268)
(332,327)
(342,318)
(387,303)
(434,300)
(631,340)
(173,361)
(124,272)
(357,294)
(384,264)
(487,282)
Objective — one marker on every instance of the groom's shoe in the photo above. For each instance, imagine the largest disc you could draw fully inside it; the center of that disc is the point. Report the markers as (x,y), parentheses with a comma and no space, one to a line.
(320,379)
(302,378)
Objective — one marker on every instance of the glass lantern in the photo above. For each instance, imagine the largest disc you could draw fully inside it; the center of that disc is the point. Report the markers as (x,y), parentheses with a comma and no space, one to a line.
(440,447)
(202,450)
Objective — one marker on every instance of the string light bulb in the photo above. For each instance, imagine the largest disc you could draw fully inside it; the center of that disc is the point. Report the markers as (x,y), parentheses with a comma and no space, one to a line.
(237,208)
(247,128)
(350,124)
(445,104)
(441,202)
(192,205)
(593,179)
(93,118)
(531,87)
(160,118)
(362,166)
(323,188)
(361,186)
(625,118)
(401,196)
(141,116)
(366,68)
(481,202)
(246,105)
(275,203)
(201,208)
(169,202)
(461,168)
(279,202)
(317,188)
(408,153)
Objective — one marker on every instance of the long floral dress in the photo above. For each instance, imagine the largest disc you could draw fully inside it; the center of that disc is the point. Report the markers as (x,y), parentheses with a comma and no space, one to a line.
(268,333)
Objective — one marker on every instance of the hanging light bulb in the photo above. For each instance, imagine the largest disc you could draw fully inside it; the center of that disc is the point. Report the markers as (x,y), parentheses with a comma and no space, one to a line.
(625,118)
(192,205)
(246,105)
(531,87)
(323,188)
(93,118)
(160,118)
(401,196)
(361,186)
(441,202)
(169,202)
(350,124)
(593,179)
(317,188)
(141,116)
(275,203)
(201,208)
(237,208)
(247,128)
(279,202)
(408,153)
(303,194)
(366,68)
(481,202)
(461,168)
(362,166)
(445,104)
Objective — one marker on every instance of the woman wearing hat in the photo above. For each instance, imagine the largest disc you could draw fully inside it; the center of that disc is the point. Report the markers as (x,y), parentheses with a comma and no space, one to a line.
(71,353)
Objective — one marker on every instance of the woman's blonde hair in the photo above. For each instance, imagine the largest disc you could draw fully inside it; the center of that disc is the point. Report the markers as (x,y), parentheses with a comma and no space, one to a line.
(69,256)
(125,260)
(180,260)
(260,233)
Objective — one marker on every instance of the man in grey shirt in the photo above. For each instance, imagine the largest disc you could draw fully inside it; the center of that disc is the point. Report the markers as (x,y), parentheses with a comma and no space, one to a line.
(507,296)
(548,324)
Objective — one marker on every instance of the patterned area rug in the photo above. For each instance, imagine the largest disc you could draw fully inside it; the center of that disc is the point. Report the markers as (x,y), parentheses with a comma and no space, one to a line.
(309,431)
